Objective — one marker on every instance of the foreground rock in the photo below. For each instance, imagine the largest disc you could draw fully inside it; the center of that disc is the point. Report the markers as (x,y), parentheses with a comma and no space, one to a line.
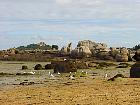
(116,76)
(64,67)
(135,70)
(137,55)
(38,67)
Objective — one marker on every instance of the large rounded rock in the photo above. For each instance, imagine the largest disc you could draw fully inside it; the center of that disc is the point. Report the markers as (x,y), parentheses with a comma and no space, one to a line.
(81,52)
(121,58)
(24,67)
(64,67)
(49,66)
(38,67)
(104,56)
(124,51)
(113,52)
(137,55)
(87,43)
(135,70)
(81,65)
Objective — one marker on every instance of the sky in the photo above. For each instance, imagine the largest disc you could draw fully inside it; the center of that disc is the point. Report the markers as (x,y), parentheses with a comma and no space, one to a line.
(114,22)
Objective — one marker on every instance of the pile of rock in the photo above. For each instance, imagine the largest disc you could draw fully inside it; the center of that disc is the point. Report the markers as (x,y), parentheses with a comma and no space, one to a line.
(67,49)
(88,48)
(80,52)
(137,55)
(119,54)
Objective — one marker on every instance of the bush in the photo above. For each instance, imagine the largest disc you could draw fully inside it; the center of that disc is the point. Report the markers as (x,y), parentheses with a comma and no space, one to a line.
(38,67)
(24,67)
(55,47)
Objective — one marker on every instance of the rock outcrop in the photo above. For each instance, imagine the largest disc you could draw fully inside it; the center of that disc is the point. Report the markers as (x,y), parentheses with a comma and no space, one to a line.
(67,49)
(119,54)
(80,52)
(137,55)
(90,44)
(88,48)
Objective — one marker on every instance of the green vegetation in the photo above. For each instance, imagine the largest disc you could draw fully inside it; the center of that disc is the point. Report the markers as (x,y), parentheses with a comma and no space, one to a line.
(34,47)
(136,47)
(55,47)
(40,46)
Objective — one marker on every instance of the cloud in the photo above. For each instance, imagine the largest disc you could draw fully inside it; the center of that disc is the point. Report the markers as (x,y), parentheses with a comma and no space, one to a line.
(61,21)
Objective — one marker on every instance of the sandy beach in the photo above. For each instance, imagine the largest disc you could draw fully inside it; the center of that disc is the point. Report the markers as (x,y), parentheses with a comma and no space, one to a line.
(94,89)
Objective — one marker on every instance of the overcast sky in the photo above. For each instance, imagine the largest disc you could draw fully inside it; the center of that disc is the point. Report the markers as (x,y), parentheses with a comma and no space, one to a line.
(115,22)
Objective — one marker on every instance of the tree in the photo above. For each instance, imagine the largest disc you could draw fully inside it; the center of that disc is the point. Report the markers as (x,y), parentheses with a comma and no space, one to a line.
(55,47)
(136,47)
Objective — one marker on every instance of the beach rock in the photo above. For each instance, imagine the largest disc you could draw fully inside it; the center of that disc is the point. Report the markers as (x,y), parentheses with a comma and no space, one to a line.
(135,70)
(124,51)
(24,67)
(123,65)
(116,76)
(137,55)
(81,65)
(67,49)
(49,66)
(80,52)
(92,64)
(38,67)
(104,56)
(101,47)
(64,67)
(121,58)
(87,43)
(114,51)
